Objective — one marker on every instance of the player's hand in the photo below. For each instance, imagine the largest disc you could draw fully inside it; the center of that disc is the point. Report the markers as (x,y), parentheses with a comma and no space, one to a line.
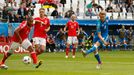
(106,43)
(46,30)
(42,23)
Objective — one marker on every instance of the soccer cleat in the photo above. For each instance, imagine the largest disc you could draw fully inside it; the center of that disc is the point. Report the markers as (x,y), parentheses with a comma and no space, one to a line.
(98,66)
(83,53)
(66,56)
(39,64)
(73,56)
(3,66)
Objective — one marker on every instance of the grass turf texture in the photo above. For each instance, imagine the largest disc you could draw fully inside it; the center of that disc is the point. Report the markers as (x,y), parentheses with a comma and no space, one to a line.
(114,63)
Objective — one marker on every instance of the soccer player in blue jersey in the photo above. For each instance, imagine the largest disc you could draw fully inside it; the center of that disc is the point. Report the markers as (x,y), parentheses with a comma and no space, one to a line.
(100,37)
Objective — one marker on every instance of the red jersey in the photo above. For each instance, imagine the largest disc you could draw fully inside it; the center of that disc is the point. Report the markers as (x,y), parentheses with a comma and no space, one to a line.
(24,32)
(72,27)
(39,29)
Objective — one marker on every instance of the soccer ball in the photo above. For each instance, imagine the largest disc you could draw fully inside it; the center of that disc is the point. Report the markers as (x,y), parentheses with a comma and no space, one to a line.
(26,60)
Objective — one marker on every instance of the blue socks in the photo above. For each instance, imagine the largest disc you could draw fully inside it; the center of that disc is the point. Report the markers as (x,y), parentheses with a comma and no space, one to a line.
(96,55)
(97,58)
(91,50)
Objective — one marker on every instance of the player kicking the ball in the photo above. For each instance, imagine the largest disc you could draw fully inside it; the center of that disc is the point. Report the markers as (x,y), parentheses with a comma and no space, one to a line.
(72,26)
(100,37)
(41,27)
(20,37)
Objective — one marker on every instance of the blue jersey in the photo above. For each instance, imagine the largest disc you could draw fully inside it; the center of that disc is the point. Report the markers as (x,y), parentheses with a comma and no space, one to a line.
(102,27)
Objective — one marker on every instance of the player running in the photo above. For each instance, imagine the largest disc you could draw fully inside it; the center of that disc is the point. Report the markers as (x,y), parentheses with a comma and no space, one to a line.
(100,37)
(72,26)
(41,27)
(20,37)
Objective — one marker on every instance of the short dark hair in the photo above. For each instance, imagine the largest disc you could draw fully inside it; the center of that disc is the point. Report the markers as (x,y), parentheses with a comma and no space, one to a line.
(29,18)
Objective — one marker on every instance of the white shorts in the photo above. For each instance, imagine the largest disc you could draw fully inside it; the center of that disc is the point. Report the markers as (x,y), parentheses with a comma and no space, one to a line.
(40,41)
(25,44)
(72,40)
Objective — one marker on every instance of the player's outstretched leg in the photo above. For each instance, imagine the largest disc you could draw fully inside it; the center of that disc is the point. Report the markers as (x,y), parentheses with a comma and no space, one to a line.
(84,53)
(37,49)
(34,57)
(35,60)
(2,64)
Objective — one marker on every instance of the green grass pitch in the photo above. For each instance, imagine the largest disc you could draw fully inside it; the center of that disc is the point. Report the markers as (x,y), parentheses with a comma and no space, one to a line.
(114,63)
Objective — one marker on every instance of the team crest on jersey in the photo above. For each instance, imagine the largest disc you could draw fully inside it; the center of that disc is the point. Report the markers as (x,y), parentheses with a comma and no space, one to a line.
(74,24)
(27,32)
(45,22)
(105,27)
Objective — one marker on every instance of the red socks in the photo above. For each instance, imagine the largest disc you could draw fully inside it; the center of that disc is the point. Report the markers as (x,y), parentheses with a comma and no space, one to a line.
(6,55)
(34,57)
(67,51)
(4,59)
(74,49)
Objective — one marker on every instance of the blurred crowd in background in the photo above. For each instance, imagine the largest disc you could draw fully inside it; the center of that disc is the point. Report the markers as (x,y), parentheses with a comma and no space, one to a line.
(14,11)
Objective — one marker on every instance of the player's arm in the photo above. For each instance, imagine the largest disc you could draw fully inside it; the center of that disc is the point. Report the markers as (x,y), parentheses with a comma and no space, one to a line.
(85,34)
(38,21)
(101,38)
(65,28)
(48,26)
(46,30)
(78,30)
(18,35)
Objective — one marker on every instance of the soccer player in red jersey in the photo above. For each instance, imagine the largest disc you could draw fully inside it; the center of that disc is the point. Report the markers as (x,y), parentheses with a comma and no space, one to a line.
(41,27)
(20,37)
(72,27)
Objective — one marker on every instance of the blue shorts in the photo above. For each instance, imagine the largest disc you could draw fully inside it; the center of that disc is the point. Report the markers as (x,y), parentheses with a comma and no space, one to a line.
(97,39)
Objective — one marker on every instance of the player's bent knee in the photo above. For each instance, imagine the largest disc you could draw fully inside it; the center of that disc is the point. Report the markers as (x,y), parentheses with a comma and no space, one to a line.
(75,45)
(36,46)
(96,52)
(97,44)
(42,51)
(68,45)
(30,49)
